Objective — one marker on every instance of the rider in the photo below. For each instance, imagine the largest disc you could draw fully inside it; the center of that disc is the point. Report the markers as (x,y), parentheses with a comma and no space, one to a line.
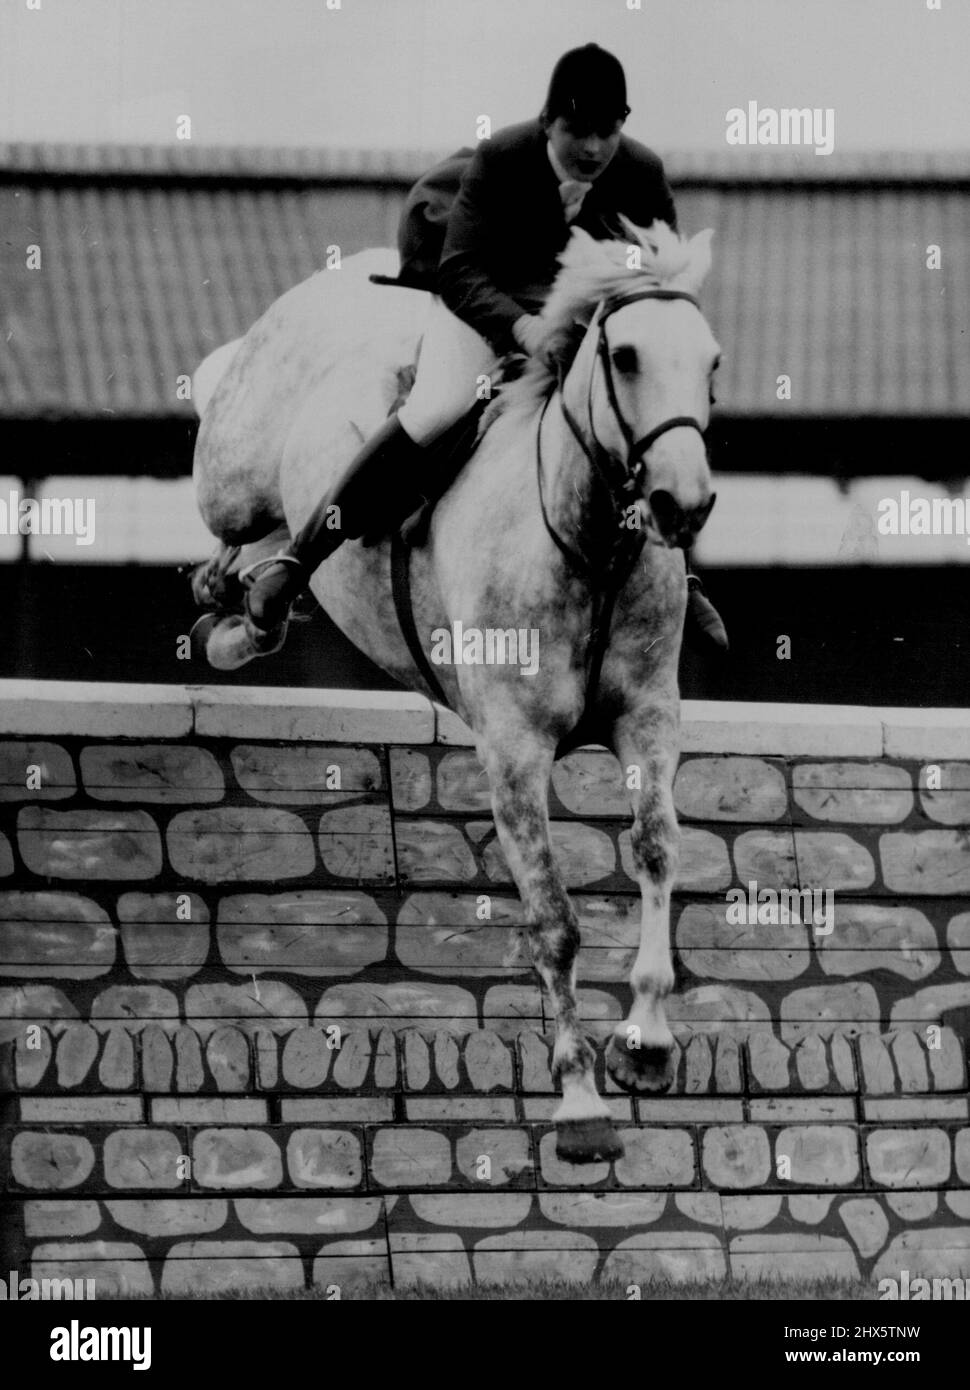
(521,192)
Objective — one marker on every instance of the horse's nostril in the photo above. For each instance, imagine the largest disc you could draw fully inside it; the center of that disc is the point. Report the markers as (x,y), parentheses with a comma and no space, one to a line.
(666,513)
(677,525)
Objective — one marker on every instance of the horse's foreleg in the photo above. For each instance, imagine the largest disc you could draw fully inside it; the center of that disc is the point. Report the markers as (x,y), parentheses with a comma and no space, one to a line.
(639,1056)
(221,635)
(519,768)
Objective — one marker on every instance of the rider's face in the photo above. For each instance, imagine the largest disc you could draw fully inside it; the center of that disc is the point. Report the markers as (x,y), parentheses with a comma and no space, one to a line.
(582,152)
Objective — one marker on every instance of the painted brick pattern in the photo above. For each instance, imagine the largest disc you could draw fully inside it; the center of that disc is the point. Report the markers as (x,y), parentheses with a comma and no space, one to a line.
(271,1003)
(79,1058)
(188,865)
(695,1191)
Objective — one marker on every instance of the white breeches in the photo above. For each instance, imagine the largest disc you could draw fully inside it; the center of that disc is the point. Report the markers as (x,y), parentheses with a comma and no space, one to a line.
(452,358)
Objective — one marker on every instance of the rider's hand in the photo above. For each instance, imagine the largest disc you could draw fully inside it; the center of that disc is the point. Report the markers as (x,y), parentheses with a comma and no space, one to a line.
(529,332)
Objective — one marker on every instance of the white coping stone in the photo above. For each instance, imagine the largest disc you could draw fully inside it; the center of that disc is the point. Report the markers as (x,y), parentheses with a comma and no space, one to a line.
(101,710)
(925,733)
(736,726)
(116,710)
(322,716)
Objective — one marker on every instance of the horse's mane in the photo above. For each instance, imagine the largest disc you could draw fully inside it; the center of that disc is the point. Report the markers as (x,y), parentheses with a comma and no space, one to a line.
(592,271)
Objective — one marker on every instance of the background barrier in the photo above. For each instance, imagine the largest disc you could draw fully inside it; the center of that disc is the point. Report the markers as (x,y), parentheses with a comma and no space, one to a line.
(266,1015)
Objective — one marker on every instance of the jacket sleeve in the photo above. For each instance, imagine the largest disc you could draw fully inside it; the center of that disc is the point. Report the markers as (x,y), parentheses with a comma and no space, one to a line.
(463,280)
(654,199)
(664,199)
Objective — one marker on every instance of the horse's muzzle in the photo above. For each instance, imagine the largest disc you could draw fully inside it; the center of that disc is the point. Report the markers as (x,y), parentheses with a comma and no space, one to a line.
(677,525)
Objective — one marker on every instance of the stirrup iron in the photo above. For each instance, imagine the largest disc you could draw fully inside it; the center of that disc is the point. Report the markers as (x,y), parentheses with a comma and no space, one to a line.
(245,575)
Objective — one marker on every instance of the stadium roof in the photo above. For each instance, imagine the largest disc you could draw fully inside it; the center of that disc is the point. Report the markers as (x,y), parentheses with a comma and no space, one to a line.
(149,258)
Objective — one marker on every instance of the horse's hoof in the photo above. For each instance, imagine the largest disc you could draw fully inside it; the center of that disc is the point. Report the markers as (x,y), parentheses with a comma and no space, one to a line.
(199,634)
(201,593)
(221,593)
(587,1141)
(264,641)
(640,1069)
(227,643)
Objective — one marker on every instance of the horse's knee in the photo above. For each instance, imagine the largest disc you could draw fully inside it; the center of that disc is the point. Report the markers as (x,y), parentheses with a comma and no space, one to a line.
(555,945)
(655,843)
(572,1055)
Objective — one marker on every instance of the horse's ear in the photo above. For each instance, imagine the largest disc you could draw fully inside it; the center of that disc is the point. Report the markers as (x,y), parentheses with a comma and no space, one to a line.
(631,231)
(700,257)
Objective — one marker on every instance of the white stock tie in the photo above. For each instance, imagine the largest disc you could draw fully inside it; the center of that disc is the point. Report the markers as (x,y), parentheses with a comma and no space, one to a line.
(572,192)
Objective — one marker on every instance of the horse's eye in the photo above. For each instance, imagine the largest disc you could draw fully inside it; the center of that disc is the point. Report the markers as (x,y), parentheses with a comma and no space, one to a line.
(624,359)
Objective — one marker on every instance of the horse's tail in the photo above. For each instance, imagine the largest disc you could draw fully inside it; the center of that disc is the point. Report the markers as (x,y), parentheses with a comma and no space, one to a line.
(210,372)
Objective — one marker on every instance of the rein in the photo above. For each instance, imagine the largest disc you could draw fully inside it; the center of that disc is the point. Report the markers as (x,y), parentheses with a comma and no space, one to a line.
(623,486)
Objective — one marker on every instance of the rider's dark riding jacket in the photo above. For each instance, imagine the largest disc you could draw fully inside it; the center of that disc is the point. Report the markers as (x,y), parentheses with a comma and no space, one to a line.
(506,227)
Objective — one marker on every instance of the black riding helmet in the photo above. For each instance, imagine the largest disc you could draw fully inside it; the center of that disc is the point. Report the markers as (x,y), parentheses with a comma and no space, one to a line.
(588,89)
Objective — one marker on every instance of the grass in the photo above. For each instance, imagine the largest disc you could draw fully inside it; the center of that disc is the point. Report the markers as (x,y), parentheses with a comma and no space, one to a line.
(746,1291)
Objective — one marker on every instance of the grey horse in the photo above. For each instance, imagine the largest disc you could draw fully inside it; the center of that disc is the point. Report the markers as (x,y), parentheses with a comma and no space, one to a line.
(569,523)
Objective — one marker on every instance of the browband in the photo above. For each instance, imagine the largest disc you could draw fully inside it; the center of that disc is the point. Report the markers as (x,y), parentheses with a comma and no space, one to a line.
(619,301)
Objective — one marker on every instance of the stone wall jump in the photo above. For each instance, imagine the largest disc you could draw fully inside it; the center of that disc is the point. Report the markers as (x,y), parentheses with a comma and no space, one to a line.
(266,1014)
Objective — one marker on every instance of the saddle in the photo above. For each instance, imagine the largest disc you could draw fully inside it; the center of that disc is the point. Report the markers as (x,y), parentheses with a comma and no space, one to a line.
(444,459)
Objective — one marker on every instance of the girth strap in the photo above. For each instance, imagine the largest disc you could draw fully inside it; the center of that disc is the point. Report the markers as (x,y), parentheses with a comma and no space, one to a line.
(404,608)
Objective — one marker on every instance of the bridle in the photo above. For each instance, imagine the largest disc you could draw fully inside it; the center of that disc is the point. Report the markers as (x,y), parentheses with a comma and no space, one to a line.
(623,481)
(625,487)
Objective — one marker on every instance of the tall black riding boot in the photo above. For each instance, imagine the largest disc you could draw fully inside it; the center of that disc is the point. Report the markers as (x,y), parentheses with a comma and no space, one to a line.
(376,479)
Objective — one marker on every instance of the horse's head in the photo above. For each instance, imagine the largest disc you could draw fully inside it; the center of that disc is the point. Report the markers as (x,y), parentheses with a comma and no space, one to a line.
(639,388)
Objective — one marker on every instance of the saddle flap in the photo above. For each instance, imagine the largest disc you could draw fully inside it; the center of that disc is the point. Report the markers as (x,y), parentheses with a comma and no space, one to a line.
(443,460)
